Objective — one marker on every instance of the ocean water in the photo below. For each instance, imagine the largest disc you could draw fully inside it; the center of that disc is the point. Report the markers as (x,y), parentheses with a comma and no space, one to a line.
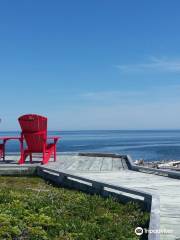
(148,145)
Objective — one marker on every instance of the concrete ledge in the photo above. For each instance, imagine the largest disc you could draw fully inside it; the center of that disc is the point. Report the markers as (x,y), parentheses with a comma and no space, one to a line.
(160,172)
(101,155)
(18,171)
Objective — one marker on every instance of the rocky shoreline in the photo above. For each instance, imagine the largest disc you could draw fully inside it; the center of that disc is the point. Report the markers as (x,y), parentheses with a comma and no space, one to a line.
(163,164)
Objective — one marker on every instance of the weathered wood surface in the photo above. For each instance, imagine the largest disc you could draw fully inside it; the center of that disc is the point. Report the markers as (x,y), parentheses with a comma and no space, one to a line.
(167,188)
(80,163)
(115,171)
(88,164)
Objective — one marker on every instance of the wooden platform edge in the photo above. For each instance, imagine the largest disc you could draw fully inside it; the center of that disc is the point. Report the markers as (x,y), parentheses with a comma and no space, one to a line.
(160,172)
(123,194)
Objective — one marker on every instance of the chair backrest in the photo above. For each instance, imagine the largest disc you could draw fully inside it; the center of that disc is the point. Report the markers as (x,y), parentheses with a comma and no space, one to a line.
(34,131)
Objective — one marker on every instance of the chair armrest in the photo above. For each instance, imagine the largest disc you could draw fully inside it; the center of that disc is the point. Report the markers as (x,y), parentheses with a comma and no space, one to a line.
(9,138)
(53,137)
(6,138)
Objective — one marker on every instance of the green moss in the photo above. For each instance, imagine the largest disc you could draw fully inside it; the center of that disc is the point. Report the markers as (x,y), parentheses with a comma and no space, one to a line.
(34,210)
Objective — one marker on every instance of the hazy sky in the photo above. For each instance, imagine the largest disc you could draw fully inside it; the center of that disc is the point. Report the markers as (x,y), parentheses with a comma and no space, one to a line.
(96,64)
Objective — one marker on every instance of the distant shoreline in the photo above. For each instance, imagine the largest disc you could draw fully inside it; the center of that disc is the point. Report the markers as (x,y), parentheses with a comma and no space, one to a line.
(150,145)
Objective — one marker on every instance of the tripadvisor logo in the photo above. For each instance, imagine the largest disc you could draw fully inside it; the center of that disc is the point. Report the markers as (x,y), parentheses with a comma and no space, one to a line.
(139,231)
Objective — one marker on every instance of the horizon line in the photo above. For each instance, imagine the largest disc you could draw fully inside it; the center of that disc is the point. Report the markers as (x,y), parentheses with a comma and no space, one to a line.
(83,130)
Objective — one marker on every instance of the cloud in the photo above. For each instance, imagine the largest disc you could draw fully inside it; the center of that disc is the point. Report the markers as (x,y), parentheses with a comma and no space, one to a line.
(122,116)
(109,95)
(158,92)
(154,65)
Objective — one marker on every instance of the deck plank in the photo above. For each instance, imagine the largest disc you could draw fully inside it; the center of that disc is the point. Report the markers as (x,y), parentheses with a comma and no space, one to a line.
(117,164)
(107,164)
(96,166)
(87,162)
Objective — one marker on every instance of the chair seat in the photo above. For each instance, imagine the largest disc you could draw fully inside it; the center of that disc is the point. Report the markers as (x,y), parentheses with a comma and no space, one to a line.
(48,148)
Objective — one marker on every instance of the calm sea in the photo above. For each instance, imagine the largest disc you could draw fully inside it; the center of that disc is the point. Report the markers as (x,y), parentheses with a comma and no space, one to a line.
(147,145)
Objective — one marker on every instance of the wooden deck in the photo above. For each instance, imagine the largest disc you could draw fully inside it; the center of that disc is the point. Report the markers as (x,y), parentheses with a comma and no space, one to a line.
(115,171)
(79,163)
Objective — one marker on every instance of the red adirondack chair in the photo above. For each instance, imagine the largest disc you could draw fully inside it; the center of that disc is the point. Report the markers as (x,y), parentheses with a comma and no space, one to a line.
(34,132)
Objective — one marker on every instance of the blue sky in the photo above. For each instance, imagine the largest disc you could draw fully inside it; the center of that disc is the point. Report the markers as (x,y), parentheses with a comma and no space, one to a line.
(95,64)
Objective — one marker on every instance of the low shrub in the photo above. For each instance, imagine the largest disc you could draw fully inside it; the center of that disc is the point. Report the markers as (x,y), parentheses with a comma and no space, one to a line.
(31,209)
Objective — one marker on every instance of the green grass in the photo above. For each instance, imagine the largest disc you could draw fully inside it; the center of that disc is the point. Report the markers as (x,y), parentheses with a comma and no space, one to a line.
(32,209)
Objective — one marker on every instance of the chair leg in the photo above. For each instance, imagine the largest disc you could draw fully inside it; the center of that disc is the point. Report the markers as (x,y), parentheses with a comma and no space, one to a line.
(30,155)
(55,153)
(4,151)
(1,153)
(21,160)
(24,155)
(44,157)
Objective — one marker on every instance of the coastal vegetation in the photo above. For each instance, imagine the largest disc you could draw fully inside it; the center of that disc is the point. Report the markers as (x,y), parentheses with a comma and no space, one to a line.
(33,209)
